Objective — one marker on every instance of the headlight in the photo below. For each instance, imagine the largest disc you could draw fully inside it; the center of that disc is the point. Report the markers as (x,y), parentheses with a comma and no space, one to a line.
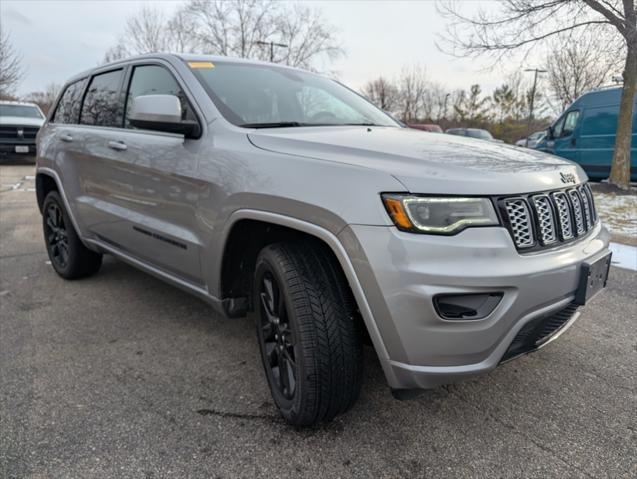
(439,215)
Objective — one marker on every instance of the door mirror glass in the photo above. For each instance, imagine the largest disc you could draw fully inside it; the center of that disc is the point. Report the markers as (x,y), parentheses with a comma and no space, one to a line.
(160,113)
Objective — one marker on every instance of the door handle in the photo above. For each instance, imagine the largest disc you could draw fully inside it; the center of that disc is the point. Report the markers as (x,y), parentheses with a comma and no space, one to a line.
(66,137)
(117,145)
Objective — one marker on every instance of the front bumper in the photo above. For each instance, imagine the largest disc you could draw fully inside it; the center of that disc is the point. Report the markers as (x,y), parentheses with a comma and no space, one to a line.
(10,148)
(402,272)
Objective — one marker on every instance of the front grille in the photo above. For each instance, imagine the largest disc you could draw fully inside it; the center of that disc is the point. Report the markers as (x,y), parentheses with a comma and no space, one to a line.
(537,331)
(18,132)
(547,219)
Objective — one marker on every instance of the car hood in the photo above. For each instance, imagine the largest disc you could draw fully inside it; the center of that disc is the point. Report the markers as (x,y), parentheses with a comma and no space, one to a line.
(426,163)
(21,121)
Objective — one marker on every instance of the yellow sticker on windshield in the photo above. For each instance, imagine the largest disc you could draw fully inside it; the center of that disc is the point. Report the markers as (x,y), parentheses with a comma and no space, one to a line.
(201,65)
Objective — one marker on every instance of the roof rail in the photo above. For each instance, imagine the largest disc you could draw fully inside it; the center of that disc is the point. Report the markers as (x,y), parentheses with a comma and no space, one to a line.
(606,87)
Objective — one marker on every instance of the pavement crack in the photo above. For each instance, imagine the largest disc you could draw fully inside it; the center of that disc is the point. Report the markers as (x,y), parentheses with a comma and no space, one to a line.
(236,415)
(18,255)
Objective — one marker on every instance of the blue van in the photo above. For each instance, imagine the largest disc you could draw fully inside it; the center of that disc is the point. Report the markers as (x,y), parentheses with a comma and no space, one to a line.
(585,133)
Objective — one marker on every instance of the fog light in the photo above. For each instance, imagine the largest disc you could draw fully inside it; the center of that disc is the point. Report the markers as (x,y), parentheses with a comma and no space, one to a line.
(469,306)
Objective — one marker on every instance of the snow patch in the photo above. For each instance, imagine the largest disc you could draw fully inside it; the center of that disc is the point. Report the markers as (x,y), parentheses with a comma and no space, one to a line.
(618,212)
(624,256)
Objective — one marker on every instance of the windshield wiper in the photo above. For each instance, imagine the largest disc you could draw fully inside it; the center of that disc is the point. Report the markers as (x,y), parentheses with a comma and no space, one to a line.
(360,124)
(278,124)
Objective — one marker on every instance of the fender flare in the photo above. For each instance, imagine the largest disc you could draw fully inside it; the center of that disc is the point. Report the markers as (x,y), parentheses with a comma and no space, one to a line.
(335,245)
(41,170)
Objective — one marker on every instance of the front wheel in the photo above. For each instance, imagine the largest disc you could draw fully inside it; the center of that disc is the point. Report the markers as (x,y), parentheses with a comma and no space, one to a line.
(308,334)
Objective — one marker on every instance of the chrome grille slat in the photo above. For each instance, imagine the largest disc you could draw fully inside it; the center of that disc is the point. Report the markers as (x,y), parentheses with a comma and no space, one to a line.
(585,191)
(546,225)
(548,218)
(586,208)
(521,222)
(563,215)
(576,203)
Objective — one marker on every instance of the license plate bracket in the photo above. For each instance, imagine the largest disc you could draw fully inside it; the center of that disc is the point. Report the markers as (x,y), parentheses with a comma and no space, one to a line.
(593,277)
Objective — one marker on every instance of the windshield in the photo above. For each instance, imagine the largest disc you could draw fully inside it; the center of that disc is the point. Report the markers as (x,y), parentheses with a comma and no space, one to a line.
(537,135)
(20,110)
(265,96)
(482,134)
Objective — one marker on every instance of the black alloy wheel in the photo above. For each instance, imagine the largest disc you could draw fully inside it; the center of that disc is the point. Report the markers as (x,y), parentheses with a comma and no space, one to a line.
(56,236)
(276,337)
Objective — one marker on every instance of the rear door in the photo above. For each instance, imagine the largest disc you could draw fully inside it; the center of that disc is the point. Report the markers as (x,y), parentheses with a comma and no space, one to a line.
(145,187)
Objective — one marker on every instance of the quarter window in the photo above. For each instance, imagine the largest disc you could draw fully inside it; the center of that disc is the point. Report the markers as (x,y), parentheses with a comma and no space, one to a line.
(156,80)
(68,109)
(102,105)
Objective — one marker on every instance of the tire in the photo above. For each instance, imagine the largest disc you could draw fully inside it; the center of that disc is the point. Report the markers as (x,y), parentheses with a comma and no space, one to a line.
(69,257)
(316,339)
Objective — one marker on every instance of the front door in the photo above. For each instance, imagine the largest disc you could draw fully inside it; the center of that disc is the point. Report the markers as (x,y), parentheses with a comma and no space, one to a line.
(565,138)
(144,186)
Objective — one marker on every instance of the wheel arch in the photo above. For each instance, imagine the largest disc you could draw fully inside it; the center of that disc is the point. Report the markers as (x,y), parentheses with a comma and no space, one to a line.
(48,178)
(236,261)
(44,184)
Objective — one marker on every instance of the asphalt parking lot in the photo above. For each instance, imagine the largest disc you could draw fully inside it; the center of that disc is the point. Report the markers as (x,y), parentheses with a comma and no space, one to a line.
(120,375)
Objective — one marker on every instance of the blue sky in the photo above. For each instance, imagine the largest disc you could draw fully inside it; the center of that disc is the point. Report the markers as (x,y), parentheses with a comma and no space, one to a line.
(60,38)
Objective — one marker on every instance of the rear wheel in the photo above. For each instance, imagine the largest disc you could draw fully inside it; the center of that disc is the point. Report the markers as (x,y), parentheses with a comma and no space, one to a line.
(69,257)
(309,338)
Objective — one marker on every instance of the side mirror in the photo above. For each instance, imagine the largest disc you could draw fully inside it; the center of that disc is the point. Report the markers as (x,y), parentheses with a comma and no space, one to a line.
(549,133)
(161,113)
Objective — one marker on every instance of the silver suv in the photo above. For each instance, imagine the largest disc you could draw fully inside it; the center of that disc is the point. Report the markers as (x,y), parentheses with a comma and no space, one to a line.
(267,189)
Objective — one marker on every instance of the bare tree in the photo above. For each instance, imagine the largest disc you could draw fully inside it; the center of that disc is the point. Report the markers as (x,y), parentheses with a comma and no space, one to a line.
(232,28)
(412,85)
(308,36)
(45,99)
(11,71)
(383,93)
(241,27)
(150,30)
(435,102)
(577,65)
(520,25)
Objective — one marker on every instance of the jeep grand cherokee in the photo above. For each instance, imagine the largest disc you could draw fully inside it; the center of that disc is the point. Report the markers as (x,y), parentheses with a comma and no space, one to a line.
(267,189)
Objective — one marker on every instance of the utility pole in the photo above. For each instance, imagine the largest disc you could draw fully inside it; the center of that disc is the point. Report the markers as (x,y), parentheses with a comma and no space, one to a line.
(528,128)
(272,45)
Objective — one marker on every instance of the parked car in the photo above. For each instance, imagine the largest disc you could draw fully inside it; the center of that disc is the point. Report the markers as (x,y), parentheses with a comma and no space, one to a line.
(270,190)
(585,133)
(473,133)
(426,127)
(534,139)
(19,124)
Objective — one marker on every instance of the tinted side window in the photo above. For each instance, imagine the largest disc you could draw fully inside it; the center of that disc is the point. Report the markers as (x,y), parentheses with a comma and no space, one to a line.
(156,80)
(102,106)
(68,109)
